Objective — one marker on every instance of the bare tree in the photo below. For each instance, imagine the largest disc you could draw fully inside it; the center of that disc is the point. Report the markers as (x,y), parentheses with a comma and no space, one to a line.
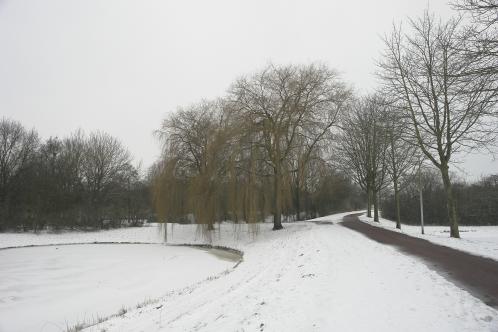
(195,141)
(484,14)
(105,161)
(67,182)
(351,151)
(283,104)
(484,11)
(70,178)
(481,35)
(187,134)
(401,155)
(361,150)
(484,27)
(451,105)
(17,147)
(376,111)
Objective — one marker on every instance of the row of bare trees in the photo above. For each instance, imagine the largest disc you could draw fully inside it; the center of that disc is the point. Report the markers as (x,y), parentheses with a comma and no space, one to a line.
(373,149)
(432,73)
(260,151)
(78,181)
(438,97)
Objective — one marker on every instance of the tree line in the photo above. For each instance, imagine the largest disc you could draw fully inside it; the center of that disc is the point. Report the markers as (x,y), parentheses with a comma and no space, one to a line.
(78,181)
(285,141)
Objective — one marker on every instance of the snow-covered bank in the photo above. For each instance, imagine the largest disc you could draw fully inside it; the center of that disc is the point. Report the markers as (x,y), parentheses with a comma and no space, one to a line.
(312,277)
(477,240)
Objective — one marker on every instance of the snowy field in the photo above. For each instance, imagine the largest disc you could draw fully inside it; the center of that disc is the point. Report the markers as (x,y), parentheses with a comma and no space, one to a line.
(306,277)
(477,240)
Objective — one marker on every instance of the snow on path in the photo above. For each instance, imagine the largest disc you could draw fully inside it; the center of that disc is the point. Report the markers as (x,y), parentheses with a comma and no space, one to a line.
(313,277)
(477,240)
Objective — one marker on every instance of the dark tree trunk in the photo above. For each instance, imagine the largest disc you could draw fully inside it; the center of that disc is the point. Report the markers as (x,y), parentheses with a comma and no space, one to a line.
(450,203)
(3,212)
(277,203)
(308,207)
(369,201)
(376,205)
(298,202)
(396,198)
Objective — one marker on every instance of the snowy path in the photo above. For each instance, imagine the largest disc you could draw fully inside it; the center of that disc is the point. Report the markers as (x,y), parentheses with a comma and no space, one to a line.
(315,277)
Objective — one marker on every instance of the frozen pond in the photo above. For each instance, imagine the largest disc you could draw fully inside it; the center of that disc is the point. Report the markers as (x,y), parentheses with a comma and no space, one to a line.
(51,288)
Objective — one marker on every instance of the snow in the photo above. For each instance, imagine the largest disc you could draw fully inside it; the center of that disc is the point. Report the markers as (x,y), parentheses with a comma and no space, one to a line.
(146,234)
(310,276)
(54,287)
(477,240)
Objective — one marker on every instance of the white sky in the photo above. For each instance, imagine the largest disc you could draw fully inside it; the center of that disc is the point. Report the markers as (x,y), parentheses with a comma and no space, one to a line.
(121,65)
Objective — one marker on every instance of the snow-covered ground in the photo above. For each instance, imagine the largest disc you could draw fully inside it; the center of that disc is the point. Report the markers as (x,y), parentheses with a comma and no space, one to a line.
(306,277)
(312,277)
(477,240)
(54,287)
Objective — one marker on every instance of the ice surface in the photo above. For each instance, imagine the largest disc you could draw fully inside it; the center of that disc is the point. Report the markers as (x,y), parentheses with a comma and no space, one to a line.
(50,288)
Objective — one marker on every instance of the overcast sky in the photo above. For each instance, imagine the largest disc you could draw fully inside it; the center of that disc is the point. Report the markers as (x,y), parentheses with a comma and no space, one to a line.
(121,66)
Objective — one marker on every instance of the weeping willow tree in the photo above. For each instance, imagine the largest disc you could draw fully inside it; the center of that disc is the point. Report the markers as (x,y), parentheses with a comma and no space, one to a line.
(206,174)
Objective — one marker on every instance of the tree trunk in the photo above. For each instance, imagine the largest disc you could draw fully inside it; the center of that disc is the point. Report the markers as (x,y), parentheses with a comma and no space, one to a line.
(450,203)
(376,205)
(3,212)
(277,203)
(369,201)
(307,208)
(298,199)
(396,199)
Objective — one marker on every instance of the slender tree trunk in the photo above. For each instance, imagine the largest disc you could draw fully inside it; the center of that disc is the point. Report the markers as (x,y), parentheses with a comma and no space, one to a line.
(396,199)
(245,214)
(277,204)
(369,201)
(376,205)
(450,203)
(298,202)
(34,224)
(3,211)
(307,208)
